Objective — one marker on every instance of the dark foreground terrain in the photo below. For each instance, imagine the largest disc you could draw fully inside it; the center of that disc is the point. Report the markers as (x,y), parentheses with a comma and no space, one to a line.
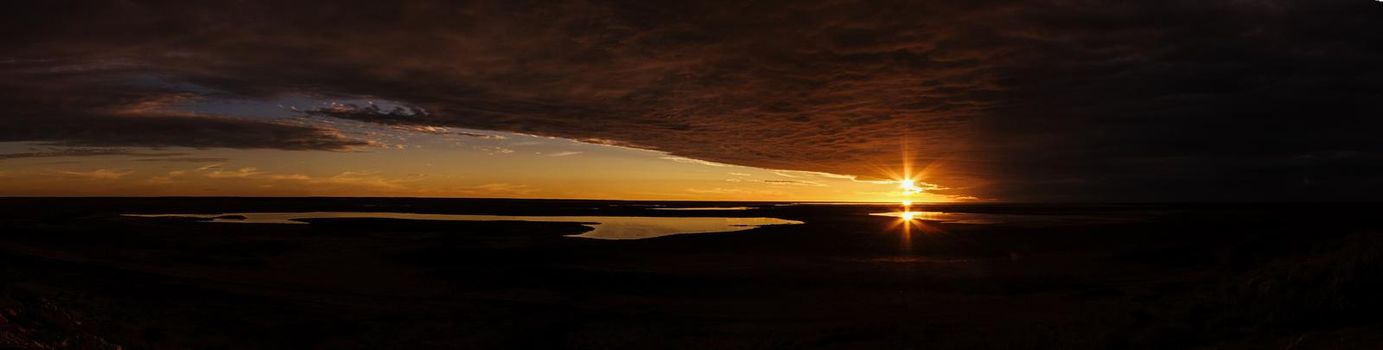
(76,274)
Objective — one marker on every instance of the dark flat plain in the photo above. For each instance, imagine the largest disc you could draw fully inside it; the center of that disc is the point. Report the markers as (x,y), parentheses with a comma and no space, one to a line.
(1232,276)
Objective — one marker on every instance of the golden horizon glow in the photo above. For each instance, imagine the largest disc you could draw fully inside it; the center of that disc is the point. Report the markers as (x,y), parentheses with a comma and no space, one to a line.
(432,166)
(439,164)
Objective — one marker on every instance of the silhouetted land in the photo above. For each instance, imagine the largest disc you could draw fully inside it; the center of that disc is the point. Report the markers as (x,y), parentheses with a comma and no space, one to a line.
(1298,276)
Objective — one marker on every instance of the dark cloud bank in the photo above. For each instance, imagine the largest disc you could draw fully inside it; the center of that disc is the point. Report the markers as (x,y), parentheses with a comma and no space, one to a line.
(1031,100)
(80,103)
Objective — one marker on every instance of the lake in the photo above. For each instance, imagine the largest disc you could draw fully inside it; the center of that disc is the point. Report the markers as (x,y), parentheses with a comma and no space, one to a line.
(604,227)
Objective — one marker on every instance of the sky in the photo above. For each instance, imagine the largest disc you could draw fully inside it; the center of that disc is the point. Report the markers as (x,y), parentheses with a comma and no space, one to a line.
(1046,100)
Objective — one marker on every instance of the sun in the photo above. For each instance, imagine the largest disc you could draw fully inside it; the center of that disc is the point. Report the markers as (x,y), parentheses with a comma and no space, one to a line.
(912,178)
(909,186)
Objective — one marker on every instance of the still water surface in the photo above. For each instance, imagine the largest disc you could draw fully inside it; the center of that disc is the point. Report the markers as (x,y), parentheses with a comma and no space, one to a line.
(605,227)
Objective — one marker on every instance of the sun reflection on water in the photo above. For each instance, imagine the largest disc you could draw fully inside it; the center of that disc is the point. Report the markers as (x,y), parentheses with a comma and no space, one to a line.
(910,221)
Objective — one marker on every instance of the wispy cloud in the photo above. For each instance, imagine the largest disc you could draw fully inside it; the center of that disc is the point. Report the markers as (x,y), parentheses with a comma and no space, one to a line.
(361,179)
(496,189)
(98,174)
(237,174)
(495,150)
(807,174)
(694,161)
(795,183)
(87,152)
(479,135)
(734,191)
(186,160)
